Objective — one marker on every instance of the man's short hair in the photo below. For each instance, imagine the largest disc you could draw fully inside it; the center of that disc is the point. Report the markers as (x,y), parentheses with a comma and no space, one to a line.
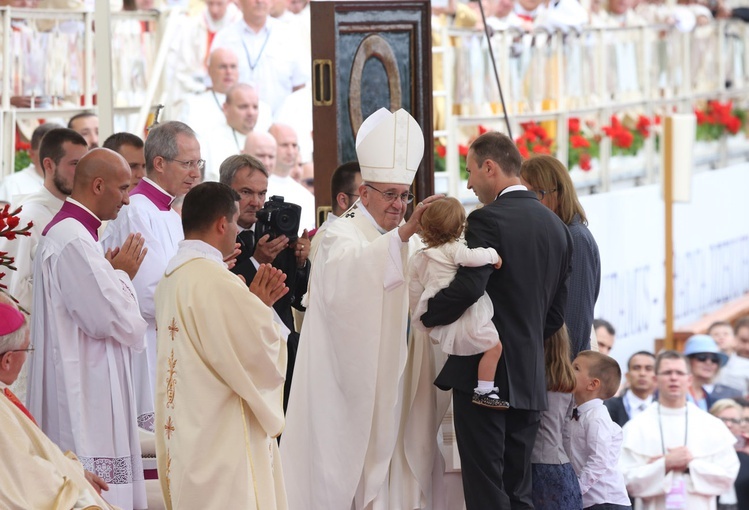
(601,323)
(233,164)
(605,369)
(670,355)
(741,323)
(205,203)
(343,179)
(39,132)
(52,142)
(638,353)
(498,148)
(162,141)
(117,140)
(77,116)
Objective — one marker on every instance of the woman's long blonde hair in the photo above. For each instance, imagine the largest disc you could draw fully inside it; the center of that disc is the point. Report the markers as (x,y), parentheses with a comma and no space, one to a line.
(559,373)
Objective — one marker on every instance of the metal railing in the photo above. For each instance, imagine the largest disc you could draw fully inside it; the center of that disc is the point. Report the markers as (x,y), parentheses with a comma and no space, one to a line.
(592,74)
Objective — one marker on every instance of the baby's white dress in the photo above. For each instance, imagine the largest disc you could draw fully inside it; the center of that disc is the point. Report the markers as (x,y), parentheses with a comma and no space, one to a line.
(431,270)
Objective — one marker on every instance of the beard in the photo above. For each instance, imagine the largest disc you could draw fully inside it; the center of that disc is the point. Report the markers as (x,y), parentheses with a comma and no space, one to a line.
(61,185)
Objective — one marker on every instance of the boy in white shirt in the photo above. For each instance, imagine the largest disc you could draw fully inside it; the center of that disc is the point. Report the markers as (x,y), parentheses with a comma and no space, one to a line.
(593,442)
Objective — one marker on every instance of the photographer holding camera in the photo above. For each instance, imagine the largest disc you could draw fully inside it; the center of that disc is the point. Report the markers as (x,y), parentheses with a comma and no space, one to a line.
(248,177)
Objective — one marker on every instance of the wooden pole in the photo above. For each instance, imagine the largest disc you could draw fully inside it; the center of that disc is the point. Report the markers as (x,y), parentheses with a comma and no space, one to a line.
(668,201)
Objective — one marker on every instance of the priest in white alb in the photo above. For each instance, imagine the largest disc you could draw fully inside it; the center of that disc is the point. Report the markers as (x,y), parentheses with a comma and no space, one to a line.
(363,414)
(221,368)
(674,454)
(85,328)
(173,165)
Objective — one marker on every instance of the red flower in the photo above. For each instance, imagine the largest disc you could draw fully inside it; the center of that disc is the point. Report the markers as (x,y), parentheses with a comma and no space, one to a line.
(482,130)
(463,150)
(441,150)
(574,125)
(585,162)
(523,149)
(579,142)
(733,124)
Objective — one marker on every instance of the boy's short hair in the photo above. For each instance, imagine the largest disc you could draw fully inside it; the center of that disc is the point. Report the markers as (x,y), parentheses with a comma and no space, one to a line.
(605,369)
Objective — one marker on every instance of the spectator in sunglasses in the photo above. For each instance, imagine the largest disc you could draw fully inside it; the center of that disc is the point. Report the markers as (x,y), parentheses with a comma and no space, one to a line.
(706,359)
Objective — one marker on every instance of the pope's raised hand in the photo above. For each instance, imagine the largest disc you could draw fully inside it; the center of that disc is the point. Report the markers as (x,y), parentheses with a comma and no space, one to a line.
(130,256)
(268,284)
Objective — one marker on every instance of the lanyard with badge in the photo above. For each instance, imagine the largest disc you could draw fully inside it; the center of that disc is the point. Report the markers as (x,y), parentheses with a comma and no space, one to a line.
(260,53)
(676,499)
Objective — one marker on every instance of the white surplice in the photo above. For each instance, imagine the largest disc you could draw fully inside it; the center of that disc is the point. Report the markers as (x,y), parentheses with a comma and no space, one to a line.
(16,185)
(297,194)
(38,208)
(162,232)
(361,425)
(712,471)
(86,324)
(222,363)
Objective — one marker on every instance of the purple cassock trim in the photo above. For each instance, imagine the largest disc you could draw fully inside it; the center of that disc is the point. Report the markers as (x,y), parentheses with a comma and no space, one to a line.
(160,199)
(70,210)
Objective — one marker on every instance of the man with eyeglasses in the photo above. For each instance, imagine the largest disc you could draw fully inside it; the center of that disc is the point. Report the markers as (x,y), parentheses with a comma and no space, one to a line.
(173,166)
(674,454)
(351,440)
(705,360)
(49,478)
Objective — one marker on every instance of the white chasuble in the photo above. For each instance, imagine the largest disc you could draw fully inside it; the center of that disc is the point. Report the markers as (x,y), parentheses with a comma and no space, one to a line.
(219,397)
(85,326)
(34,473)
(656,429)
(350,410)
(161,227)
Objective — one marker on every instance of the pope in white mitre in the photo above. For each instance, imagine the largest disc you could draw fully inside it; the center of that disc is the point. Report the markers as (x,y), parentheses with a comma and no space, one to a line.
(363,415)
(220,368)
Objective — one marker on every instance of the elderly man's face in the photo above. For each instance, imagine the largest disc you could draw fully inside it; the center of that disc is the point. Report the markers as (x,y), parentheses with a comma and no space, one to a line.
(223,70)
(387,213)
(252,186)
(182,172)
(12,362)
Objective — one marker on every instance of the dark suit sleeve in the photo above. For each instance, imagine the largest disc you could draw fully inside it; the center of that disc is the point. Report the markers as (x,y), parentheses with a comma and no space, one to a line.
(469,283)
(302,278)
(555,314)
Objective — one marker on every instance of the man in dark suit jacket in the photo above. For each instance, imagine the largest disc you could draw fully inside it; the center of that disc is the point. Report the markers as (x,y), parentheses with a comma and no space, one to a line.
(248,177)
(529,295)
(642,385)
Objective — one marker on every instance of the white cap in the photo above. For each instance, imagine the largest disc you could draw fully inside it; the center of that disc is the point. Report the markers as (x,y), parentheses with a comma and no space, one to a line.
(389,147)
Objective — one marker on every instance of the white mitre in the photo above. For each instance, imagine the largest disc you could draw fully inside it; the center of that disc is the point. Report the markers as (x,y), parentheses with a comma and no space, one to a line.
(389,147)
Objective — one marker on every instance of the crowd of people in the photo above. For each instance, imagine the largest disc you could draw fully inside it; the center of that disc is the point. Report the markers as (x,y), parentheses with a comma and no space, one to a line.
(159,320)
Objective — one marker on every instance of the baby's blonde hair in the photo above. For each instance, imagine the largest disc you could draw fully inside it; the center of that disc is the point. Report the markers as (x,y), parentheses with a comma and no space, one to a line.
(442,222)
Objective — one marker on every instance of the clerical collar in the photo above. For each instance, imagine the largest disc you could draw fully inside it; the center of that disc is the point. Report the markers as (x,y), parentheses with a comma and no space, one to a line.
(514,187)
(153,192)
(79,212)
(523,13)
(366,214)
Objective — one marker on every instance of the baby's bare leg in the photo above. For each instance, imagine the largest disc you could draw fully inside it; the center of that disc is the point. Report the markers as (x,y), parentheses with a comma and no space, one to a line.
(488,363)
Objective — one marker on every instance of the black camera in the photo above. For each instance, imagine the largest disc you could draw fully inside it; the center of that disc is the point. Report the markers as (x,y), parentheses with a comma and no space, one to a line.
(278,218)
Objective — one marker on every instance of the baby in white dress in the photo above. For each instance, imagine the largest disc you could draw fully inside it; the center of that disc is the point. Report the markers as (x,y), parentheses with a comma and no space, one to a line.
(431,270)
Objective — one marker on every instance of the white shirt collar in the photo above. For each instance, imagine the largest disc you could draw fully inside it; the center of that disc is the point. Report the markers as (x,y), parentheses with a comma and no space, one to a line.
(153,183)
(635,402)
(590,404)
(202,248)
(514,187)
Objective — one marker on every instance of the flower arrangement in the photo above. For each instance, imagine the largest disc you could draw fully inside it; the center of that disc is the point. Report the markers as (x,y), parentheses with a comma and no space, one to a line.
(9,222)
(716,119)
(628,136)
(440,151)
(581,149)
(22,160)
(534,140)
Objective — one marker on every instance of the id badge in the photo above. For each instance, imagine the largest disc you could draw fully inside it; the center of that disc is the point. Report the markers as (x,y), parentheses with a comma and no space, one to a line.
(676,499)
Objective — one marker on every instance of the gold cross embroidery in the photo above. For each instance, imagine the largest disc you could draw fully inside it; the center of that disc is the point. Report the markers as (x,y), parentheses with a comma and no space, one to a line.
(173,329)
(169,427)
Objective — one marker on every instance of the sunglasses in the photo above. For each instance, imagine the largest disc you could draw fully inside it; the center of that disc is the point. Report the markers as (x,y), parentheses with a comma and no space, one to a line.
(714,358)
